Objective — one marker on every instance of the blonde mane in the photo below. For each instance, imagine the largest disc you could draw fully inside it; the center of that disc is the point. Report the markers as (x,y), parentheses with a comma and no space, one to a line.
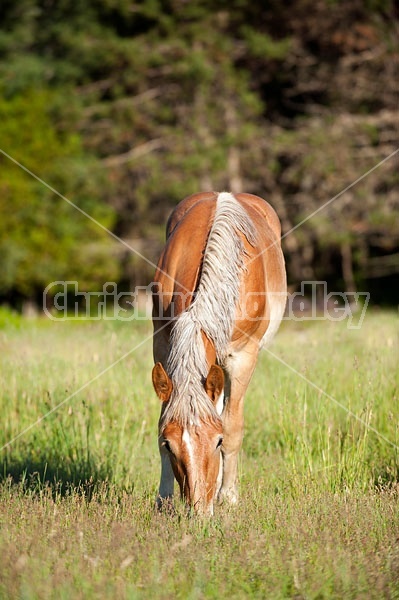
(212,311)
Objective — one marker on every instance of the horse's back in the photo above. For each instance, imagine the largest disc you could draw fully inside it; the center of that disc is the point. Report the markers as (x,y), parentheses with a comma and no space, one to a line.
(188,227)
(206,200)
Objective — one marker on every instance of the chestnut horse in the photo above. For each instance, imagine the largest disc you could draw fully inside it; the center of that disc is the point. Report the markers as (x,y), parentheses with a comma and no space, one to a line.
(218,297)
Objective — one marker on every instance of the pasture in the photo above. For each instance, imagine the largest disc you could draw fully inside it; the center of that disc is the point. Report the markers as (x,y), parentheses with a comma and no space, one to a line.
(319,469)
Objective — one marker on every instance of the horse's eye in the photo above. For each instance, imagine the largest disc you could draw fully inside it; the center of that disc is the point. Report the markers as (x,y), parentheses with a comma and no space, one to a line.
(220,442)
(167,446)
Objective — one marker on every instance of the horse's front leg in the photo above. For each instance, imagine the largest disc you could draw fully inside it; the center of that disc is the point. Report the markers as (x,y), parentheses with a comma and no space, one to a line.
(233,431)
(166,485)
(241,367)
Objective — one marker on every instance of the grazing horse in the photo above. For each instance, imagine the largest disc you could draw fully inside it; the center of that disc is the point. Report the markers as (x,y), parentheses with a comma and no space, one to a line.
(218,296)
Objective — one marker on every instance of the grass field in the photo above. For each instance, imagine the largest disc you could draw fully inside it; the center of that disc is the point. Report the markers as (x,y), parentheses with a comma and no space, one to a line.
(319,514)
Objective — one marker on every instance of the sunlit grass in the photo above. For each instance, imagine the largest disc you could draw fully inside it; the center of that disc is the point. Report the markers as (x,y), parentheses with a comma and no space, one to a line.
(318,516)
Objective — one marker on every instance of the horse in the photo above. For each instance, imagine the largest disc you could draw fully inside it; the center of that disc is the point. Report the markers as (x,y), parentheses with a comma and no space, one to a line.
(219,294)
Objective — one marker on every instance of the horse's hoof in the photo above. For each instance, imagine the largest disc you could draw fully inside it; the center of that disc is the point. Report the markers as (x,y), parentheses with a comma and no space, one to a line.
(164,506)
(229,496)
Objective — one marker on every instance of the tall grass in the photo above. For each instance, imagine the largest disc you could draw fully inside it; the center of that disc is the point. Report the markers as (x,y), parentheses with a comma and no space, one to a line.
(318,516)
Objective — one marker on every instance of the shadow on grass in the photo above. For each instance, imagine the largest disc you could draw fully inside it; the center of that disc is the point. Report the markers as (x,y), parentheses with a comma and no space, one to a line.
(84,478)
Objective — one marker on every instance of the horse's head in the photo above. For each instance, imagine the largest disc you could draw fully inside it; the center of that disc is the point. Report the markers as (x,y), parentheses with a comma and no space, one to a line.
(193,449)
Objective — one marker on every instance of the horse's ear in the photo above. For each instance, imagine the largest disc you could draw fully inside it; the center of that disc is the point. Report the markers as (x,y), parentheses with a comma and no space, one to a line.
(161,382)
(214,383)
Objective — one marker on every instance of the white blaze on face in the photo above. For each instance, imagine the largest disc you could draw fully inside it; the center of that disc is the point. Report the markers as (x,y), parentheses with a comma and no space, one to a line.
(192,468)
(186,438)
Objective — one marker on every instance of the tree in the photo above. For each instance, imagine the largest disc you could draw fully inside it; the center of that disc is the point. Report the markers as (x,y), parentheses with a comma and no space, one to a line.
(147,102)
(42,237)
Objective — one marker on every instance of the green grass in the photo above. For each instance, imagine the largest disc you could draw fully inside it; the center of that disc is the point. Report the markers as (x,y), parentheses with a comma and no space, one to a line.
(318,516)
